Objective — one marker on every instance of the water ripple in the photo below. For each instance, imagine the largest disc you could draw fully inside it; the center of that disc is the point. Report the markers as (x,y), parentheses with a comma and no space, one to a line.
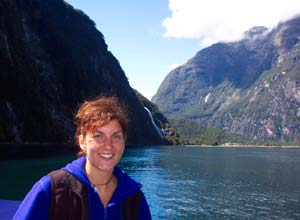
(202,183)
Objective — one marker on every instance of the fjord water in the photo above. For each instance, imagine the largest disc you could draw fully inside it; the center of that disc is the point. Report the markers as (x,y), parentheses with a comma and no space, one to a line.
(218,183)
(187,183)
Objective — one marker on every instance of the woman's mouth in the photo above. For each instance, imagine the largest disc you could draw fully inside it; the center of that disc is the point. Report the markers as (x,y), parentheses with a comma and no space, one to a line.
(106,156)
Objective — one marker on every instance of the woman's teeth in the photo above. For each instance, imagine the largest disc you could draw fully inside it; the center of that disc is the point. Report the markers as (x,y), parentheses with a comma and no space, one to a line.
(106,155)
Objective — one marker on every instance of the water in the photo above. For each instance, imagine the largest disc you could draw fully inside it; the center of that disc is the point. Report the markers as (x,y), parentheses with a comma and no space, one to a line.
(194,182)
(218,183)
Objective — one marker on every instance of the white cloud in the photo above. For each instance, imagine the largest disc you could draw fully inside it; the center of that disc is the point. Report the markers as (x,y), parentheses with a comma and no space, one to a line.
(173,66)
(224,20)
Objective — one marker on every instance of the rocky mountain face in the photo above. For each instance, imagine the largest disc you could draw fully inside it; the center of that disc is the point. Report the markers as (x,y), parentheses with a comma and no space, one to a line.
(51,59)
(250,88)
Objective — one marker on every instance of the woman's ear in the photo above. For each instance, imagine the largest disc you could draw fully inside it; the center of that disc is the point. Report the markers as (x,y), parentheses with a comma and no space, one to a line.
(82,143)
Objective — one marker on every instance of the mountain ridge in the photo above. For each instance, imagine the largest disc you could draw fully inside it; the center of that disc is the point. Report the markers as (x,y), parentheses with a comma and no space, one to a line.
(241,87)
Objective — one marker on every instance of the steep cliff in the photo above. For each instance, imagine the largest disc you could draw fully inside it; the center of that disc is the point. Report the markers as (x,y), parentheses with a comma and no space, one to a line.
(51,59)
(249,88)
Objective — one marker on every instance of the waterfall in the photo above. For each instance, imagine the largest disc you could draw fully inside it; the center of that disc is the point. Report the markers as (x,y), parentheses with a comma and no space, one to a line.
(159,131)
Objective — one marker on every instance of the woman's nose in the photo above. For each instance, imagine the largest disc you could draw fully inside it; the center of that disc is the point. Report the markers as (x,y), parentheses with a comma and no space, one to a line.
(108,142)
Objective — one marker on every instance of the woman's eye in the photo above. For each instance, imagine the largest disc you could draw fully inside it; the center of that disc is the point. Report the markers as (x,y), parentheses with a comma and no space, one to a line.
(98,137)
(117,137)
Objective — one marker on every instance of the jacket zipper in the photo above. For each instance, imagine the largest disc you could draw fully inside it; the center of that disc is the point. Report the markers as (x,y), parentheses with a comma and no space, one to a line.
(105,213)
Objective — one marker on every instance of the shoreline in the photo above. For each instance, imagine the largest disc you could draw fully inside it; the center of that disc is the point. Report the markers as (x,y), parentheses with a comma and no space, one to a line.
(33,150)
(243,146)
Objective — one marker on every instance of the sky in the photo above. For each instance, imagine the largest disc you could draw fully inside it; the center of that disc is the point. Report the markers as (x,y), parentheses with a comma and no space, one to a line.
(152,37)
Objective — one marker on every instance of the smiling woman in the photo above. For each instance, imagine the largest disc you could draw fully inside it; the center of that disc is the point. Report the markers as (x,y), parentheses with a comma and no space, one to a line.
(102,190)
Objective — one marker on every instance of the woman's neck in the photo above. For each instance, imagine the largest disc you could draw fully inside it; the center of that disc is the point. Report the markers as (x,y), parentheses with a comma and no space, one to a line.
(97,177)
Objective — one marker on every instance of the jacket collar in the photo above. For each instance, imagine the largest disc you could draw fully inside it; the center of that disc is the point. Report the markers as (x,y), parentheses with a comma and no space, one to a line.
(126,185)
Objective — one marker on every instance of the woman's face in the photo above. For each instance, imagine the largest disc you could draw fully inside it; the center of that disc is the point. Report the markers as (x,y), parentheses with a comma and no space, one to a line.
(104,147)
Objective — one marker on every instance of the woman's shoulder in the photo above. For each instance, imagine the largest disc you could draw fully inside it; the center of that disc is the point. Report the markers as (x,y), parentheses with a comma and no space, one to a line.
(43,185)
(123,176)
(126,184)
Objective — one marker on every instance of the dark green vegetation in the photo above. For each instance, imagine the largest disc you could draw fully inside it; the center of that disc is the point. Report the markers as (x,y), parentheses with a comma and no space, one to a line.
(192,132)
(51,59)
(249,88)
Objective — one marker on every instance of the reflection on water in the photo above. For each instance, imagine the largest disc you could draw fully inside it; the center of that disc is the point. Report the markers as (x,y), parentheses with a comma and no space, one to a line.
(218,183)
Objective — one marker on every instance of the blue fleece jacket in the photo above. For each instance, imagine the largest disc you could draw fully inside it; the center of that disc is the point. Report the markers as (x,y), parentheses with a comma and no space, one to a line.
(37,202)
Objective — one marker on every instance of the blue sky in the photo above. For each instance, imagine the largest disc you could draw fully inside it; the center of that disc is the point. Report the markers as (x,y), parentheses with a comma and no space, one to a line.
(150,37)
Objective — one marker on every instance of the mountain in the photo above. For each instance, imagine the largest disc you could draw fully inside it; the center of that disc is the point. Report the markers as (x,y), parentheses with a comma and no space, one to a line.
(51,59)
(250,88)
